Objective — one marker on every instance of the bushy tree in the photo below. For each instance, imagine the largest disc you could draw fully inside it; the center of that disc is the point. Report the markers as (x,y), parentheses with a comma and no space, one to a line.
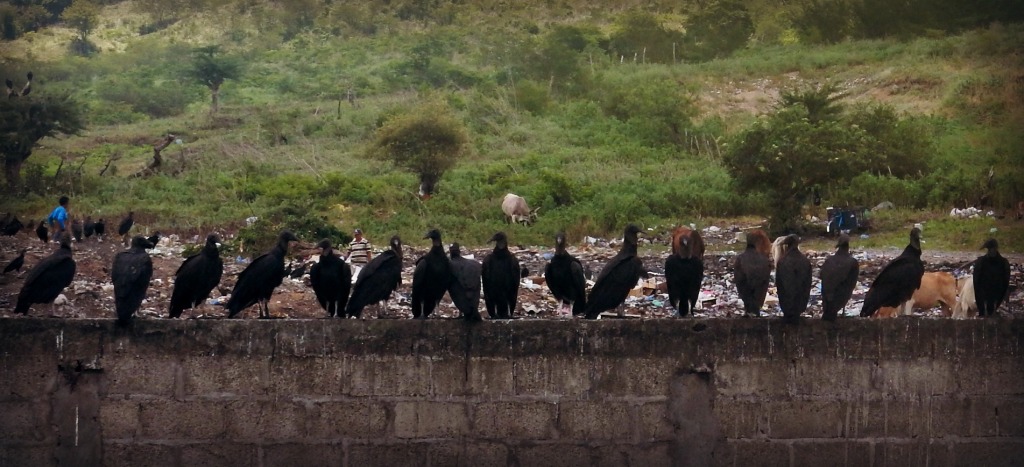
(211,68)
(24,120)
(641,35)
(426,140)
(717,30)
(82,16)
(784,154)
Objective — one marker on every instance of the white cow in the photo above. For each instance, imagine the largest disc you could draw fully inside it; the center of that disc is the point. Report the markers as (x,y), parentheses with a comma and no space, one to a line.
(516,209)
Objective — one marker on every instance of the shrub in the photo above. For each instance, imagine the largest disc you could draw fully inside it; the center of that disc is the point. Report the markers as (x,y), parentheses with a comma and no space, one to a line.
(427,140)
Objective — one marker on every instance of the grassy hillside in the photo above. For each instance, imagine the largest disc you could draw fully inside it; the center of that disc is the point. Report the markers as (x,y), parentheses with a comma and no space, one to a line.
(589,148)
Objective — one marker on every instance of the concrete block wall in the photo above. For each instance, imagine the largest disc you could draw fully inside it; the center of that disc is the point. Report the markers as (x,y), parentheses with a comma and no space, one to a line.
(521,393)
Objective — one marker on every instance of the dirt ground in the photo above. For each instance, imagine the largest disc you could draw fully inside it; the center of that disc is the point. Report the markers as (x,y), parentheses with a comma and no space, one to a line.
(91,292)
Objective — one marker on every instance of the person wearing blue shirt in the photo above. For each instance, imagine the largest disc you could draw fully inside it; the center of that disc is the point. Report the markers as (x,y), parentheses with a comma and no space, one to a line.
(59,218)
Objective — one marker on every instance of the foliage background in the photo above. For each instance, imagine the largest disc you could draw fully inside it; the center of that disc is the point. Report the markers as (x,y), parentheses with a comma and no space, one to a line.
(599,113)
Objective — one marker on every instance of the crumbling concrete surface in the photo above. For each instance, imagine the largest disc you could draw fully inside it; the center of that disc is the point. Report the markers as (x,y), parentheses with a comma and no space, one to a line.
(913,391)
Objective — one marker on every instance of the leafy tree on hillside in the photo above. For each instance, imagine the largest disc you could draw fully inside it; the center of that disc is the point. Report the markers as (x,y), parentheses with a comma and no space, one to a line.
(796,148)
(641,36)
(427,140)
(82,16)
(211,68)
(717,30)
(24,120)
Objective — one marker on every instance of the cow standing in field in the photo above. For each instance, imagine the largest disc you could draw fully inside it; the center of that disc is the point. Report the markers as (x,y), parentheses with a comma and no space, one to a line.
(516,210)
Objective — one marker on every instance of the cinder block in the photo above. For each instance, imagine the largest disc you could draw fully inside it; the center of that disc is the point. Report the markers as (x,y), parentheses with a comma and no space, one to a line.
(24,421)
(838,379)
(27,376)
(990,454)
(403,454)
(423,419)
(305,376)
(755,452)
(192,420)
(552,455)
(303,454)
(807,419)
(918,377)
(259,421)
(1010,416)
(949,417)
(868,417)
(903,453)
(491,376)
(742,419)
(908,418)
(15,455)
(357,419)
(546,376)
(402,376)
(140,375)
(469,453)
(819,453)
(595,420)
(992,376)
(219,453)
(516,420)
(755,378)
(655,454)
(119,418)
(135,454)
(226,375)
(654,422)
(449,377)
(636,377)
(859,453)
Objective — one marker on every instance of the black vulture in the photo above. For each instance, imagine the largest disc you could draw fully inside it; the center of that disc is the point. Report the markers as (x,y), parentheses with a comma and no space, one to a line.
(76,228)
(331,279)
(297,273)
(464,288)
(12,227)
(564,277)
(377,279)
(42,232)
(153,239)
(684,269)
(48,278)
(898,279)
(10,88)
(793,280)
(16,263)
(751,271)
(500,275)
(838,279)
(131,273)
(257,281)
(126,226)
(618,276)
(89,228)
(101,227)
(196,277)
(991,279)
(430,278)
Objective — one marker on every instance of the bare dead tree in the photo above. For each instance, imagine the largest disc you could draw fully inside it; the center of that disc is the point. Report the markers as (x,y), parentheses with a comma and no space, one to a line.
(154,165)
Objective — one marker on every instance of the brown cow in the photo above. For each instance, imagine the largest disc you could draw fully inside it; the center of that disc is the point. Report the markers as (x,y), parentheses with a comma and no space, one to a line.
(937,289)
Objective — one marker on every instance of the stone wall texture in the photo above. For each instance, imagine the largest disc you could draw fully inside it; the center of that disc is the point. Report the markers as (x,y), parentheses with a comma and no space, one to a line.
(522,393)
